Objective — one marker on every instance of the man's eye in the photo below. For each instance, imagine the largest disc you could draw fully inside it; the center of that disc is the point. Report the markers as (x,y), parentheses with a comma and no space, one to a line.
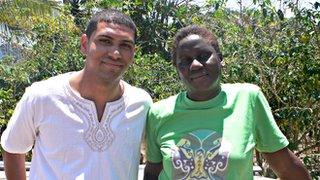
(127,46)
(105,41)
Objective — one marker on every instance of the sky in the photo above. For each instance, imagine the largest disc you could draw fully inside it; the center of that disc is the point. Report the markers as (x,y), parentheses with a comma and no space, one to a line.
(248,3)
(233,4)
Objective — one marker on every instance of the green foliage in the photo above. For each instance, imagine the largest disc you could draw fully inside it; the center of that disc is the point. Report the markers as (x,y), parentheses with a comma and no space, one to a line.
(154,74)
(282,56)
(54,49)
(17,13)
(157,21)
(260,46)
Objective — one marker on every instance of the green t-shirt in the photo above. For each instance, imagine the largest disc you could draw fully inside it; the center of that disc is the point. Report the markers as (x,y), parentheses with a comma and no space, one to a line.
(212,139)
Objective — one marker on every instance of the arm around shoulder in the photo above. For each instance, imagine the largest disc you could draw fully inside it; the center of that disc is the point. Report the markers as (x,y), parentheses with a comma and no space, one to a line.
(14,166)
(152,170)
(286,165)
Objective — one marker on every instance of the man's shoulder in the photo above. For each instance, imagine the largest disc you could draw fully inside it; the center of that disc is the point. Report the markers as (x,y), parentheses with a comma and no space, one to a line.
(136,93)
(52,85)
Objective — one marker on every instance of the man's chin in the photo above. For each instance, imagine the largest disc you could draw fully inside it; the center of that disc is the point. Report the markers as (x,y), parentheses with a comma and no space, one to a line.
(111,76)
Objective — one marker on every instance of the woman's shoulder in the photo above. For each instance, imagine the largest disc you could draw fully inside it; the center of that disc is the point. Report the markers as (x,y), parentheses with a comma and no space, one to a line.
(241,88)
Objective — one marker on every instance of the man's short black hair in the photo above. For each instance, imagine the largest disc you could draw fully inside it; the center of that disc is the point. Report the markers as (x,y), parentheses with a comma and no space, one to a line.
(196,30)
(110,16)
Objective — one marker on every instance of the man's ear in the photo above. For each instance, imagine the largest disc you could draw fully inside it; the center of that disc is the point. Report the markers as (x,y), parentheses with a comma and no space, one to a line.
(134,54)
(84,44)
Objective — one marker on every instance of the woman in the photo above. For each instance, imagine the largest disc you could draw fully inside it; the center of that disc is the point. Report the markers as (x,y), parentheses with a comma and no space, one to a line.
(211,130)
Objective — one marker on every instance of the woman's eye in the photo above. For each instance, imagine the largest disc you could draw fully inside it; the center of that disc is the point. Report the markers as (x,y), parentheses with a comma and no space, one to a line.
(203,57)
(184,64)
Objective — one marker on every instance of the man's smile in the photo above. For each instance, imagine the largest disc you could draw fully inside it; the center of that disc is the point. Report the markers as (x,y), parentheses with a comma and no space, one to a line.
(112,64)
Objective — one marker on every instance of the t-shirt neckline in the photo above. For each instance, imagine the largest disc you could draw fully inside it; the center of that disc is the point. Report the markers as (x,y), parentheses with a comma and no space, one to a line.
(213,102)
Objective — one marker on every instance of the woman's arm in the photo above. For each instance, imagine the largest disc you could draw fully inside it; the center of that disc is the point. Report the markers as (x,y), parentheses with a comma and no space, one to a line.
(152,170)
(286,165)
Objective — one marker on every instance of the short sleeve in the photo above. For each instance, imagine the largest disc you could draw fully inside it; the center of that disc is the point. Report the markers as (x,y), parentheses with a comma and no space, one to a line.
(20,132)
(269,138)
(153,149)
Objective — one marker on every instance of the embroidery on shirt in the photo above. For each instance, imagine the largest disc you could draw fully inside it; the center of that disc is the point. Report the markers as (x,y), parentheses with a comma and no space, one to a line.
(99,135)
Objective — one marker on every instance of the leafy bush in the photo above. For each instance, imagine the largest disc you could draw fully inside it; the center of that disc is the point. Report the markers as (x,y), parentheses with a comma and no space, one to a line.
(260,46)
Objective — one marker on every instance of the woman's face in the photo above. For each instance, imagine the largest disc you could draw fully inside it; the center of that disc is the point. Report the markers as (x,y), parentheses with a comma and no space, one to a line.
(198,66)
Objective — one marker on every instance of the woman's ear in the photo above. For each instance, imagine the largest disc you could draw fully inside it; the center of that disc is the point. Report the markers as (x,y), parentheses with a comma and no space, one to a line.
(222,63)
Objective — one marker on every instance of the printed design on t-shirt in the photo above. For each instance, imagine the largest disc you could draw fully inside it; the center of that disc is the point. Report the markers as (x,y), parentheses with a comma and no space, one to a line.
(201,154)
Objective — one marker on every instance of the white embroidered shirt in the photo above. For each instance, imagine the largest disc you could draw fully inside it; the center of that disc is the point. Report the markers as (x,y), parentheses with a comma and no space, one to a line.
(67,139)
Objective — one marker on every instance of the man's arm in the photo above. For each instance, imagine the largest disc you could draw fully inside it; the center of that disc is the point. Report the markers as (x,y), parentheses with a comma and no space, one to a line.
(286,165)
(152,171)
(14,166)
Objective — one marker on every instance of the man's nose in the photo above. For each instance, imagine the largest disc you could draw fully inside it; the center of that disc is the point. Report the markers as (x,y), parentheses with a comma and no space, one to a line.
(195,64)
(114,52)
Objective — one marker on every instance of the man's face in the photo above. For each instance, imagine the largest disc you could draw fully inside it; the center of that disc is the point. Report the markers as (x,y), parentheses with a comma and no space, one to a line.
(198,64)
(109,51)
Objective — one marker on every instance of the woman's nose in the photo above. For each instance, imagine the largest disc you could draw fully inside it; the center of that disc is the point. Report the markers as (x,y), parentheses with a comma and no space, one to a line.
(195,64)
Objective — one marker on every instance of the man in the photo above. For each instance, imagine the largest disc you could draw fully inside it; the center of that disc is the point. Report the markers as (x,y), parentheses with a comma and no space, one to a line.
(86,124)
(210,130)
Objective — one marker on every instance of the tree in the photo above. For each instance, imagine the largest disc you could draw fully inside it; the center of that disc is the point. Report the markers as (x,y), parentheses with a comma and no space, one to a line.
(282,56)
(52,49)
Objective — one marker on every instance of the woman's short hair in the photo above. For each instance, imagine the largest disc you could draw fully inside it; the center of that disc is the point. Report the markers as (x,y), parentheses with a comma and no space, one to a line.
(197,30)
